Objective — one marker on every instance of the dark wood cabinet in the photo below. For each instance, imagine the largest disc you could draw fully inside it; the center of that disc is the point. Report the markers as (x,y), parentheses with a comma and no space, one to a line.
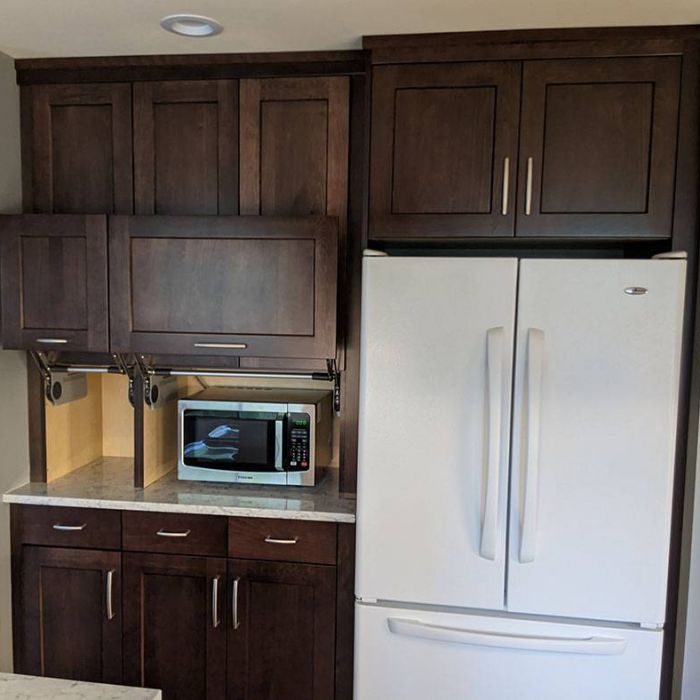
(255,286)
(444,150)
(70,622)
(283,624)
(54,282)
(186,147)
(598,147)
(175,625)
(81,150)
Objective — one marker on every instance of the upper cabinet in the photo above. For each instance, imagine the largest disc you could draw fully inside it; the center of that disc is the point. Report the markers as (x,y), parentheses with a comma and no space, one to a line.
(444,144)
(596,157)
(54,282)
(186,147)
(246,286)
(80,150)
(598,147)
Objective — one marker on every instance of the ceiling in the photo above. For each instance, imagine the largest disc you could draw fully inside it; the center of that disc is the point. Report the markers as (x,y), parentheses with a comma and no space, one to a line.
(39,28)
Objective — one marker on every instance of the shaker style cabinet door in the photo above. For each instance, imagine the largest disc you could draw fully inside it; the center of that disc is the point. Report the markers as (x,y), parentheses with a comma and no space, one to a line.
(248,286)
(598,147)
(444,146)
(54,282)
(281,636)
(175,625)
(186,147)
(81,149)
(70,623)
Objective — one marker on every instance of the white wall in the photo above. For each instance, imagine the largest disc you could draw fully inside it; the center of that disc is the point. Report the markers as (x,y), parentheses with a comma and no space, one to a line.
(14,457)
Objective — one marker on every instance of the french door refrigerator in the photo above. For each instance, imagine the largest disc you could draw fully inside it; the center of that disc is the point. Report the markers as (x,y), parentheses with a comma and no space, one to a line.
(516,450)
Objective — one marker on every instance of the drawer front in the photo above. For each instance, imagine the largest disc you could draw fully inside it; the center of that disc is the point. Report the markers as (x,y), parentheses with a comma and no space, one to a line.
(282,540)
(175,533)
(67,527)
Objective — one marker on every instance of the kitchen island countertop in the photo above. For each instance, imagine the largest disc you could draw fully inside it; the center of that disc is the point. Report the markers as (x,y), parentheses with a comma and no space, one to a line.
(17,687)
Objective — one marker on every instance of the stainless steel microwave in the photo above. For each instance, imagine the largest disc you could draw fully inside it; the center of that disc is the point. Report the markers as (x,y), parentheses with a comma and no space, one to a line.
(258,436)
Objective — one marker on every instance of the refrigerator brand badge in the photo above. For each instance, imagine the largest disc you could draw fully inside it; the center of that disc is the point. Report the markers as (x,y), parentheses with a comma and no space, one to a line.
(636,291)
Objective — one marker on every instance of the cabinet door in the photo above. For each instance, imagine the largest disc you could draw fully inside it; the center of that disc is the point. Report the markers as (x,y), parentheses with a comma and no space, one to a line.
(444,143)
(257,286)
(174,625)
(70,621)
(54,282)
(282,631)
(598,147)
(186,147)
(81,149)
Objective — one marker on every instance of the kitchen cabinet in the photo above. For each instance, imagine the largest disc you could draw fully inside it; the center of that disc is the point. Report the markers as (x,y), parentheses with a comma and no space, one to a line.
(444,149)
(54,282)
(596,158)
(283,624)
(598,147)
(70,622)
(174,624)
(255,286)
(186,147)
(78,140)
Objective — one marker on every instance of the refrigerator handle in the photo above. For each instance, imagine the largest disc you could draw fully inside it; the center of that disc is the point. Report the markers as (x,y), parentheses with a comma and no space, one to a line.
(494,369)
(599,646)
(528,523)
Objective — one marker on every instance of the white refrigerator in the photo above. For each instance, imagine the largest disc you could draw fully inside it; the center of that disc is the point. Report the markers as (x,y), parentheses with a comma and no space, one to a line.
(516,452)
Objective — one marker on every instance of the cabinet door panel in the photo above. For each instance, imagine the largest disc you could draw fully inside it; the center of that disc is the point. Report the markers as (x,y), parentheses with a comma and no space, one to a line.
(601,136)
(65,630)
(441,135)
(54,282)
(282,646)
(172,638)
(236,285)
(81,143)
(186,147)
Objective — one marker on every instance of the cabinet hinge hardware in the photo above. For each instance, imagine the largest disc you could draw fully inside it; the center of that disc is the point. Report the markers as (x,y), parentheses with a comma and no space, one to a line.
(64,383)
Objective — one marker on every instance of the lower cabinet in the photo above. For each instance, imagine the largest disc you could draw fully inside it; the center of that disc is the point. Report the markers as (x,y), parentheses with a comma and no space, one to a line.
(174,632)
(282,628)
(70,614)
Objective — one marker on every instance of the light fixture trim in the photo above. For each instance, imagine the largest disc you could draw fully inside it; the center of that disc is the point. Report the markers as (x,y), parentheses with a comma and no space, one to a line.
(196,26)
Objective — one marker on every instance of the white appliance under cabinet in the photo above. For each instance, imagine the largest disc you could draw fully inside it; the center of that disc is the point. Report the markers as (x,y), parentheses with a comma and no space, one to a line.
(516,452)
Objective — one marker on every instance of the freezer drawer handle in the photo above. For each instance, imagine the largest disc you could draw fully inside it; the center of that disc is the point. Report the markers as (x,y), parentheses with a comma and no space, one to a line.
(494,361)
(528,524)
(599,646)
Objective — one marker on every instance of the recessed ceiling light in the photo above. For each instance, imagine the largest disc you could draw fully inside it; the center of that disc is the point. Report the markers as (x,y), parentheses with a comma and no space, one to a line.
(191,25)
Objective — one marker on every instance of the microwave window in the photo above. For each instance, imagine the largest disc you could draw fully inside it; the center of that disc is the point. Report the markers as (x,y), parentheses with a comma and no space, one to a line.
(221,441)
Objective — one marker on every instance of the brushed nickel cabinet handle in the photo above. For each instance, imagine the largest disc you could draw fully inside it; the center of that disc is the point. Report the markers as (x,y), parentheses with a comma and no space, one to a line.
(69,528)
(273,540)
(222,346)
(110,602)
(236,622)
(168,533)
(506,186)
(528,188)
(52,341)
(215,602)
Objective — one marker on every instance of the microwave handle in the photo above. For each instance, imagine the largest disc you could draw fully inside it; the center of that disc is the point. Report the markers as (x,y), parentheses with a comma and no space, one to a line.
(280,429)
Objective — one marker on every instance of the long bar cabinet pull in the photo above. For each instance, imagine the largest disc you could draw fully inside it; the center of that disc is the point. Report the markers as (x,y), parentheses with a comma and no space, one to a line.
(51,341)
(168,533)
(69,528)
(215,601)
(110,601)
(274,540)
(236,621)
(506,186)
(528,188)
(222,346)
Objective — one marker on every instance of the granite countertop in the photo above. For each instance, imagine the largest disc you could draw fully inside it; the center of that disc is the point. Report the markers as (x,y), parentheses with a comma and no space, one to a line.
(13,687)
(108,483)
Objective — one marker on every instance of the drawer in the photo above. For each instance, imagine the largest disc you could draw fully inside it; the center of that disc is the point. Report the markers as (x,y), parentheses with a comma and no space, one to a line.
(57,526)
(174,533)
(282,540)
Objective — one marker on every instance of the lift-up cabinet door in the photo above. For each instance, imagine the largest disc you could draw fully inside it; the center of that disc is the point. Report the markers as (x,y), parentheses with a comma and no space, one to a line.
(54,282)
(250,286)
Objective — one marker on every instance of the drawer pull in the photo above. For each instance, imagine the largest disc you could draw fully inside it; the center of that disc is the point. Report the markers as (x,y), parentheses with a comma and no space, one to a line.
(69,528)
(51,341)
(273,540)
(168,533)
(110,600)
(222,346)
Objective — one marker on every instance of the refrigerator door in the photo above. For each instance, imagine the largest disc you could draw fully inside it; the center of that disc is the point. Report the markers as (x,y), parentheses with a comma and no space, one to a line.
(435,395)
(594,430)
(413,655)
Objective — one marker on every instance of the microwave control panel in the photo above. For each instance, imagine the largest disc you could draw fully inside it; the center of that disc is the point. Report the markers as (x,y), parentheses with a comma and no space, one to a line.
(298,441)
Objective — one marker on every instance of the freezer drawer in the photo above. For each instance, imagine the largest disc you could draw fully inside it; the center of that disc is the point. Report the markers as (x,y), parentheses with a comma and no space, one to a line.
(414,655)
